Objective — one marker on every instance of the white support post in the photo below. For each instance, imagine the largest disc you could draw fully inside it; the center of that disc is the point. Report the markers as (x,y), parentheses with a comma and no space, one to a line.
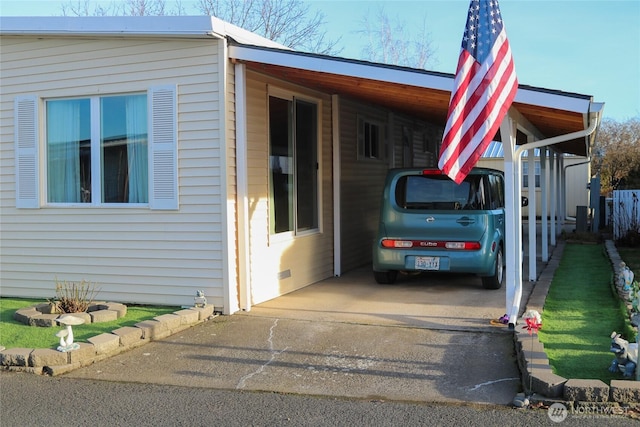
(562,201)
(244,269)
(533,236)
(544,206)
(552,194)
(513,221)
(337,169)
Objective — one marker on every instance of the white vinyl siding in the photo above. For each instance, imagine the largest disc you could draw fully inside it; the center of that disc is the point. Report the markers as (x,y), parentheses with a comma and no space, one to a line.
(362,181)
(134,254)
(361,185)
(280,265)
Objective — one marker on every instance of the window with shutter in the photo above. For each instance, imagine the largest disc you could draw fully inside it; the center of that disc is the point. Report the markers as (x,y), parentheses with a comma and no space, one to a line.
(106,150)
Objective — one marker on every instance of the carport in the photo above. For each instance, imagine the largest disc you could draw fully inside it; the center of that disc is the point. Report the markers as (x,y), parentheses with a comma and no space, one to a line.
(555,121)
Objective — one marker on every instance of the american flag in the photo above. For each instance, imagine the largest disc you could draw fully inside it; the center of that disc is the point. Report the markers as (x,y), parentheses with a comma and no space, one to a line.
(484,88)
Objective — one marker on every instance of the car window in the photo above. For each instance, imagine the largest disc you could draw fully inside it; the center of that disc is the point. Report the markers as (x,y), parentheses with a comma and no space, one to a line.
(497,191)
(438,192)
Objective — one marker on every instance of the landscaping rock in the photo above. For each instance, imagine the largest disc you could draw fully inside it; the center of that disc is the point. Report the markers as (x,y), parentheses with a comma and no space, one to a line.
(103,316)
(85,352)
(205,312)
(586,391)
(188,316)
(22,315)
(105,343)
(43,320)
(15,357)
(121,309)
(47,356)
(547,383)
(47,308)
(170,320)
(625,391)
(128,335)
(153,330)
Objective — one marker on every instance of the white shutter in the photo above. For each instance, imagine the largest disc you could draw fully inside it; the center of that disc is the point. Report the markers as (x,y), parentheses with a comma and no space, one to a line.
(26,152)
(163,153)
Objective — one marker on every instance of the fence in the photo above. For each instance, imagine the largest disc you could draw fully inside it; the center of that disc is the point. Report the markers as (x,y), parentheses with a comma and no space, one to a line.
(626,215)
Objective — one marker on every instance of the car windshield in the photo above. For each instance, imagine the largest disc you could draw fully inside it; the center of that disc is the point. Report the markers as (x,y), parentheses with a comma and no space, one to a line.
(439,192)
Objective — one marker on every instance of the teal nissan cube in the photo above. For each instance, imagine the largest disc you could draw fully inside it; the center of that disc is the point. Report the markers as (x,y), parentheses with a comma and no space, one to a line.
(430,223)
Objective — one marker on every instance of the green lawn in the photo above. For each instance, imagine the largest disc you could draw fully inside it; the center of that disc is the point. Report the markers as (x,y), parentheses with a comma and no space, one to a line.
(580,312)
(14,334)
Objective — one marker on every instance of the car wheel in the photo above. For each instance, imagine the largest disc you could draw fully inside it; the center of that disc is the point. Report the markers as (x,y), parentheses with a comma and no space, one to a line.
(495,281)
(385,277)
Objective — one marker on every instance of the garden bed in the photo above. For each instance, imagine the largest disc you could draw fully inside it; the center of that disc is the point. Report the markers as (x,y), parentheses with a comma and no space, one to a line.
(46,315)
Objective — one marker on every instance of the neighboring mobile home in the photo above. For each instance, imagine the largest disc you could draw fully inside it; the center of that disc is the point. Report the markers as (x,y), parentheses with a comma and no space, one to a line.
(577,175)
(157,156)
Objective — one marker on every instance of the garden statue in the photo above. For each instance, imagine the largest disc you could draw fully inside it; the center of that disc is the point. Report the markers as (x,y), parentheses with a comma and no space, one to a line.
(625,361)
(200,299)
(66,336)
(626,277)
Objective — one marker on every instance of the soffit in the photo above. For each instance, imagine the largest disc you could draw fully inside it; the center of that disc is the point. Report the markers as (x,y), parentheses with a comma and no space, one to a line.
(430,104)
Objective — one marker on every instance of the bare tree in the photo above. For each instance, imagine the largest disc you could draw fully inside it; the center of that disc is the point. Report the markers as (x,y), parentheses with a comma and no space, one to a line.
(389,41)
(616,154)
(289,22)
(85,8)
(121,8)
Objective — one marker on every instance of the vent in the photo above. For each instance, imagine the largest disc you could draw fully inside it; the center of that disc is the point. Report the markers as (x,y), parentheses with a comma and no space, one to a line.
(284,274)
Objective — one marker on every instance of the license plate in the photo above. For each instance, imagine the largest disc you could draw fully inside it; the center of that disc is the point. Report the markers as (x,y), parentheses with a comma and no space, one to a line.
(427,263)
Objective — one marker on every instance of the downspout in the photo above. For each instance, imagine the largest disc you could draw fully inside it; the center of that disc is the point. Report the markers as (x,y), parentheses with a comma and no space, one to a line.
(561,138)
(595,120)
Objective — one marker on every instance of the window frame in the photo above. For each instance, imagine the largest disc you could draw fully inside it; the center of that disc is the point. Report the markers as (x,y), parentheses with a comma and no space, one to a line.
(525,173)
(362,121)
(295,232)
(96,157)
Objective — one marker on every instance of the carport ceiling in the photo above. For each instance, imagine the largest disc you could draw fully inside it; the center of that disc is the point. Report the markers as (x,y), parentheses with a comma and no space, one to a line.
(430,104)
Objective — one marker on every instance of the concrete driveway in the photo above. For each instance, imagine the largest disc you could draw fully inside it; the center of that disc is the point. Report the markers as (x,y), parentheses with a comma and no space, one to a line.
(430,300)
(427,338)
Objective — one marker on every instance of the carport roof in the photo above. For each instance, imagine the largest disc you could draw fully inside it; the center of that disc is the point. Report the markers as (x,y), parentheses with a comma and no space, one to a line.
(419,93)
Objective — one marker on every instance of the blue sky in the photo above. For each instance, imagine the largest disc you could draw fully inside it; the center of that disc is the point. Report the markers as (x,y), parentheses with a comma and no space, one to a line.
(590,47)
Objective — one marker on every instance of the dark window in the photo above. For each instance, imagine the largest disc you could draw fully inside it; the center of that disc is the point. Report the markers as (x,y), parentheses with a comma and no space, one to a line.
(293,138)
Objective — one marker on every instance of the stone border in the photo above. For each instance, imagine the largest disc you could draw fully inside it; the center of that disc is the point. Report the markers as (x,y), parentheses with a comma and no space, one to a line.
(545,385)
(42,314)
(52,362)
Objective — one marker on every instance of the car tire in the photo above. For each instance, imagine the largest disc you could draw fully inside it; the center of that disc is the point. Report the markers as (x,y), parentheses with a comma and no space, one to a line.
(495,281)
(385,277)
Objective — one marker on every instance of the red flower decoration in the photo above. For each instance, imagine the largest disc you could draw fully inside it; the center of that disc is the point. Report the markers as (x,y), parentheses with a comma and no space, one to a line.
(532,325)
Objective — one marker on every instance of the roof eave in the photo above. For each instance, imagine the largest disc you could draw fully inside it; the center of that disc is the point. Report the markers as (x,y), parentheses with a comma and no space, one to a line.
(342,66)
(129,26)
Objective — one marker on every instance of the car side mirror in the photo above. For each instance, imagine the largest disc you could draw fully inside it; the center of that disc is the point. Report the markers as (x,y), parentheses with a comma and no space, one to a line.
(525,201)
